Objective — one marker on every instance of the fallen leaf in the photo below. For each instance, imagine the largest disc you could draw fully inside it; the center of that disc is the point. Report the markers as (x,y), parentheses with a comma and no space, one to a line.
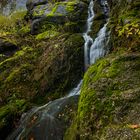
(134,126)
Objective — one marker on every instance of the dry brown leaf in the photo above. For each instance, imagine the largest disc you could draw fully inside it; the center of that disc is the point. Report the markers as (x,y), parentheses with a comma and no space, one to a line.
(134,126)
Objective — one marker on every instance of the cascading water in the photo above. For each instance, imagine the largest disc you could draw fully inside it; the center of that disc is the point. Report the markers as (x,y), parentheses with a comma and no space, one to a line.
(97,49)
(87,45)
(43,122)
(87,38)
(93,50)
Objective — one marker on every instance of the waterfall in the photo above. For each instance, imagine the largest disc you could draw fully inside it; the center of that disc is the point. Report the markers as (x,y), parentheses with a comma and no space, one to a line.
(87,45)
(87,38)
(93,50)
(97,49)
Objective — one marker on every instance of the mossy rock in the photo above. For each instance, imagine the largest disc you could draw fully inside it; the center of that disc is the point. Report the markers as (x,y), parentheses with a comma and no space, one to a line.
(109,100)
(61,63)
(58,13)
(10,115)
(33,72)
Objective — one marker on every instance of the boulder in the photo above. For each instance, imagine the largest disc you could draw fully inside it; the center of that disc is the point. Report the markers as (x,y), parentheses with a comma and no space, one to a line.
(48,122)
(57,13)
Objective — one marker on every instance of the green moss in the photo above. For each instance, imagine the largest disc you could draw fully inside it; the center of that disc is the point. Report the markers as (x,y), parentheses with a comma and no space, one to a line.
(11,24)
(70,133)
(39,11)
(24,30)
(54,10)
(15,75)
(124,26)
(70,6)
(12,109)
(47,34)
(107,90)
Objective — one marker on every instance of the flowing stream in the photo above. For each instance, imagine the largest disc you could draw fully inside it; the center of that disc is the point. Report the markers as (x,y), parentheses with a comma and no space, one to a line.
(42,123)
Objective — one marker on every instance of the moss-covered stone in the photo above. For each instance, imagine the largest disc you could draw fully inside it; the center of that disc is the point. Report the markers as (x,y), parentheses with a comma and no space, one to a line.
(58,13)
(63,56)
(33,72)
(109,99)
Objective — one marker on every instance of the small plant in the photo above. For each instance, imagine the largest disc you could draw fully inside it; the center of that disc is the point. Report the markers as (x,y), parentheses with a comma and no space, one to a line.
(129,30)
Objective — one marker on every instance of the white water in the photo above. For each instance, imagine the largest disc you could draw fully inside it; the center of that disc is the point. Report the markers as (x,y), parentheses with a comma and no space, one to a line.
(97,49)
(87,45)
(87,38)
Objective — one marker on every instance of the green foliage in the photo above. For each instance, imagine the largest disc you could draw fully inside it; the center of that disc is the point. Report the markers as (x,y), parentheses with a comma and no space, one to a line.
(24,30)
(125,27)
(70,6)
(130,30)
(12,23)
(11,110)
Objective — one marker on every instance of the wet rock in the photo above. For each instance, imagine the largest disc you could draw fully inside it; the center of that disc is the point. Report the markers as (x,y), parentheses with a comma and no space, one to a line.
(48,122)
